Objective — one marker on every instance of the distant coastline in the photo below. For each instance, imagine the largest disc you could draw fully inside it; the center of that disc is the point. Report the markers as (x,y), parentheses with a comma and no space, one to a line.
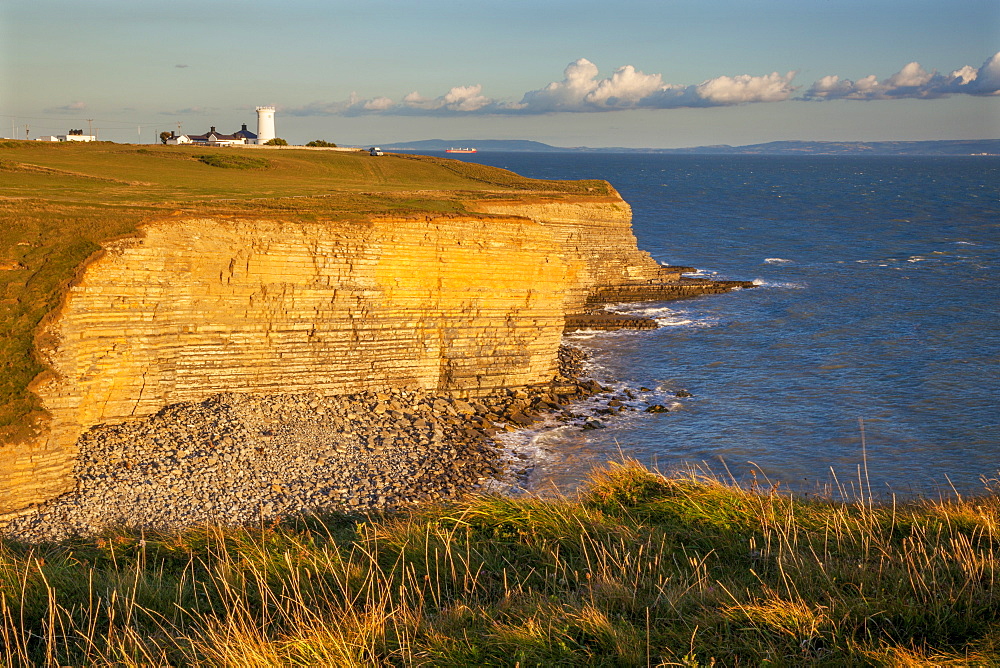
(941,147)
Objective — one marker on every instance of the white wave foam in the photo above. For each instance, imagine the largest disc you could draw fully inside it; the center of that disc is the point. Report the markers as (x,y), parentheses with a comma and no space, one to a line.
(645,311)
(777,260)
(788,285)
(529,451)
(583,334)
(663,315)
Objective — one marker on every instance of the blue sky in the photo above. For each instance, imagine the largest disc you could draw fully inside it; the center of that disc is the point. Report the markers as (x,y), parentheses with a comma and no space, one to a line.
(662,73)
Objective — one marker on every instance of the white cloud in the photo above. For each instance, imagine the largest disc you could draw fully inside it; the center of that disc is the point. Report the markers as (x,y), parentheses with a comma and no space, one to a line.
(378,104)
(965,74)
(830,86)
(566,95)
(460,99)
(354,105)
(629,88)
(867,85)
(912,81)
(464,98)
(741,89)
(910,76)
(987,81)
(583,90)
(626,87)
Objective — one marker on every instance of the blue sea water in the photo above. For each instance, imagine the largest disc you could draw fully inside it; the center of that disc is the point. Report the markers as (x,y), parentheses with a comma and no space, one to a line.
(877,305)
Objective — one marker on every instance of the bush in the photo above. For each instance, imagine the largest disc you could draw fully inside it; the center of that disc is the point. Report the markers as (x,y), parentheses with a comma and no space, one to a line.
(277,141)
(234,161)
(322,143)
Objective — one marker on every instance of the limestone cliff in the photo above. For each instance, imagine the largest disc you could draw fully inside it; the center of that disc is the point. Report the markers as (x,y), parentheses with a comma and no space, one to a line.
(596,240)
(595,236)
(197,306)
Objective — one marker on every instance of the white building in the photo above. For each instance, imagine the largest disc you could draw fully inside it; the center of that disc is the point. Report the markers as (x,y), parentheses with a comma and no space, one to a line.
(72,135)
(215,138)
(265,125)
(265,133)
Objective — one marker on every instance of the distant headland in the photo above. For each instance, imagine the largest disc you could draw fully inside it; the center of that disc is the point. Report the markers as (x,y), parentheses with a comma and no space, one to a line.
(934,147)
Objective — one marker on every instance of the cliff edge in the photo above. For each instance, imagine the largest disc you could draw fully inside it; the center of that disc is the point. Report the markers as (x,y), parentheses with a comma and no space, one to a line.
(213,300)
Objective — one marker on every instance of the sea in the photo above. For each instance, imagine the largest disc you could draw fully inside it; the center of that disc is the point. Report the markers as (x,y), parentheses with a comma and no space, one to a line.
(863,363)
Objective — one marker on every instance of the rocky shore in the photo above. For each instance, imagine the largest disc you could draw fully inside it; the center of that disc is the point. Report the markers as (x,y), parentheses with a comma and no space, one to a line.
(238,459)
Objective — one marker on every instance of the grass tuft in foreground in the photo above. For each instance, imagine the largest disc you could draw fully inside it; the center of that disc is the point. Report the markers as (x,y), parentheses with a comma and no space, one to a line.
(640,570)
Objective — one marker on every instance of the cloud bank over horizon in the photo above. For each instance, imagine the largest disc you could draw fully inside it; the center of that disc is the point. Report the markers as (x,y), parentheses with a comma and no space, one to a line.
(582,90)
(913,81)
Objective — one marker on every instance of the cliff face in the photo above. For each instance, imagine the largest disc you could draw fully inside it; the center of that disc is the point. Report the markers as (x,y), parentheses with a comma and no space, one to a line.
(198,306)
(596,240)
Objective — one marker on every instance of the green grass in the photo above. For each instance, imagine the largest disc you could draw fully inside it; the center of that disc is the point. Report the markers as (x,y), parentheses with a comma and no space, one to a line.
(61,200)
(234,161)
(640,570)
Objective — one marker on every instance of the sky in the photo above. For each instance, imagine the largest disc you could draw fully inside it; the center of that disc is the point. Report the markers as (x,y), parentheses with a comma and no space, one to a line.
(627,73)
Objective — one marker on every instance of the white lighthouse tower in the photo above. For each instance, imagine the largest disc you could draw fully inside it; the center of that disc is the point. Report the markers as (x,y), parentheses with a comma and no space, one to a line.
(265,124)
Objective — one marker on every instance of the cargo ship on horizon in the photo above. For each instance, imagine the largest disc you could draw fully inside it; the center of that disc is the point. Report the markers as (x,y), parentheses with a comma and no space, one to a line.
(460,150)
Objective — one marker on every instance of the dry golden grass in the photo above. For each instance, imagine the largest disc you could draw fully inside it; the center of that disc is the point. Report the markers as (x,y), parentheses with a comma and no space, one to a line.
(641,570)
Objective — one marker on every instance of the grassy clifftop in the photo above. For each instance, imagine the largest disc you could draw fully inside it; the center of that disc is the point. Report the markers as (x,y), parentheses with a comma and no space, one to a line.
(642,570)
(61,200)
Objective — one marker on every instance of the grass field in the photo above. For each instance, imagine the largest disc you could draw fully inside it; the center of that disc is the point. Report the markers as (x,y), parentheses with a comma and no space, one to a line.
(641,570)
(59,201)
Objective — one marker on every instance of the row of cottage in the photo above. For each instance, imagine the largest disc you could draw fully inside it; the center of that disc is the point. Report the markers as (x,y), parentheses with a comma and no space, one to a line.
(210,138)
(265,133)
(215,138)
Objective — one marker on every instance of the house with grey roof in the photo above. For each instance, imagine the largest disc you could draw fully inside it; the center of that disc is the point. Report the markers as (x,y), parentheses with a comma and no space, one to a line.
(215,138)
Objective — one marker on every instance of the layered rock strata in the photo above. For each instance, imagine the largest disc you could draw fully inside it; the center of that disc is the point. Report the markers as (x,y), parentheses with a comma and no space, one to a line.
(656,290)
(197,307)
(239,459)
(607,322)
(596,240)
(463,305)
(598,233)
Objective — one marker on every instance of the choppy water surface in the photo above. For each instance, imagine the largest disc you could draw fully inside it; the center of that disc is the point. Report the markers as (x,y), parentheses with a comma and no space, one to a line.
(877,300)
